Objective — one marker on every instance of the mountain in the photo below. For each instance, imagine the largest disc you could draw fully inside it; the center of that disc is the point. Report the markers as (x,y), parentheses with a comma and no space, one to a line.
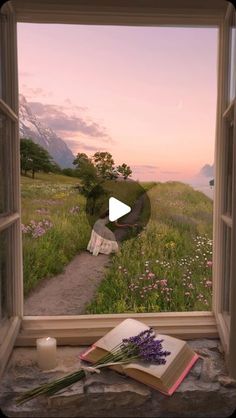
(207,170)
(201,180)
(31,127)
(205,174)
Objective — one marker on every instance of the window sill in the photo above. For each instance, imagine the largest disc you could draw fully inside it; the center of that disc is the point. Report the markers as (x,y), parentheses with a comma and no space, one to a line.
(205,392)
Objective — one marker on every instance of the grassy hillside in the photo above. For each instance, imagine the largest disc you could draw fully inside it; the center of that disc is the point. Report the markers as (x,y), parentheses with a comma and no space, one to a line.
(168,268)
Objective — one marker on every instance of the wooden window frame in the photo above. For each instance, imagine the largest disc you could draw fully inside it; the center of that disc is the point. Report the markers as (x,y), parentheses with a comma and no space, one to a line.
(226,112)
(9,326)
(85,329)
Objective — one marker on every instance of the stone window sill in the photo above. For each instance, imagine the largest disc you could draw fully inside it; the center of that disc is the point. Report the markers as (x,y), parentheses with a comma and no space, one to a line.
(205,392)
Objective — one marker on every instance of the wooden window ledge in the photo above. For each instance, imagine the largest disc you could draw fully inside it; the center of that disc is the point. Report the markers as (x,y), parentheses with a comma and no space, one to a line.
(205,392)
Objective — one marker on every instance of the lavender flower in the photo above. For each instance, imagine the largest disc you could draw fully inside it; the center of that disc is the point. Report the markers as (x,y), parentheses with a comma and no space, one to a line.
(146,347)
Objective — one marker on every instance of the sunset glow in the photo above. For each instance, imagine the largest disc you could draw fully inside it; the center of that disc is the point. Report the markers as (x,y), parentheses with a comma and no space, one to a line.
(147,95)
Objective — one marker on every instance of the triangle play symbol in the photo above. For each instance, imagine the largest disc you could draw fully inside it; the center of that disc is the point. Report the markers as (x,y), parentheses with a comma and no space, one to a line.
(117,209)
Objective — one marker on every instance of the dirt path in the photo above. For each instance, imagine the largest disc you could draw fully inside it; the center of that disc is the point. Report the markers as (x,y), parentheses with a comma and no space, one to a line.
(69,292)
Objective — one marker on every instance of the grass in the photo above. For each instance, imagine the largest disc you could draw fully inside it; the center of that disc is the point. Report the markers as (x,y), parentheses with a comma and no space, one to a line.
(54,224)
(168,268)
(51,198)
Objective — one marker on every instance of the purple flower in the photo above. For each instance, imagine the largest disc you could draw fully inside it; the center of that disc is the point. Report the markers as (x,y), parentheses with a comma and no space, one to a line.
(36,230)
(146,347)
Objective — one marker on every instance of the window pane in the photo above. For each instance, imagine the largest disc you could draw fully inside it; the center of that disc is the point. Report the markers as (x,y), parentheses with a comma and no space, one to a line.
(229,169)
(5,166)
(227,257)
(232,70)
(4,271)
(156,88)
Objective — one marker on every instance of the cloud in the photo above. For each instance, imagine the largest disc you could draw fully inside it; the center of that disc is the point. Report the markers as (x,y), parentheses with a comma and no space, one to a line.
(66,122)
(78,146)
(171,172)
(145,171)
(142,167)
(32,92)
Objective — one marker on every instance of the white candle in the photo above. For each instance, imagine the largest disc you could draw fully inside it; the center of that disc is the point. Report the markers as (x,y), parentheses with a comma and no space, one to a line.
(47,353)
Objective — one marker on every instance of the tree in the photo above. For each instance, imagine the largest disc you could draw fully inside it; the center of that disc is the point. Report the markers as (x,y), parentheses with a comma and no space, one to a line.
(81,158)
(105,165)
(35,158)
(86,172)
(124,170)
(69,172)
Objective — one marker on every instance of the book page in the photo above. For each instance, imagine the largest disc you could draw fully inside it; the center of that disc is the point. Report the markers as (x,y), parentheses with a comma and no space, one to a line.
(174,345)
(127,328)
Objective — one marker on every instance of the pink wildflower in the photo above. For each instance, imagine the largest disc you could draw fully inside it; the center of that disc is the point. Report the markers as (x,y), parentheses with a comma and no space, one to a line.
(151,275)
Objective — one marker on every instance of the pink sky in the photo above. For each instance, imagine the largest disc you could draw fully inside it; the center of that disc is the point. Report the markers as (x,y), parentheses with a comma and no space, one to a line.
(149,92)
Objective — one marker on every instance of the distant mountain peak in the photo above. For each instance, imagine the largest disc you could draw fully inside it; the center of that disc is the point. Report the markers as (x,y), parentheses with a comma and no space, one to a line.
(31,127)
(207,170)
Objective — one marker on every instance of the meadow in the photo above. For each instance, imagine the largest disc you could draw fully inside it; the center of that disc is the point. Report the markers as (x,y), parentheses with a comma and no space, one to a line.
(54,225)
(167,267)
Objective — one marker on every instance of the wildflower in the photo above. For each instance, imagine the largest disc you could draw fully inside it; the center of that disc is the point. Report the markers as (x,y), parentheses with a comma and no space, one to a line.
(163,282)
(74,210)
(151,275)
(209,263)
(24,229)
(37,229)
(208,283)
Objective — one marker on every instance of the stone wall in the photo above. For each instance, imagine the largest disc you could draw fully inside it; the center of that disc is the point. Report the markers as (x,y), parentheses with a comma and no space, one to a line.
(205,392)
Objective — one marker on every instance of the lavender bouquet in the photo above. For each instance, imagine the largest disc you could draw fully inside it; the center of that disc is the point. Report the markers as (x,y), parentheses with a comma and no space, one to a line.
(142,347)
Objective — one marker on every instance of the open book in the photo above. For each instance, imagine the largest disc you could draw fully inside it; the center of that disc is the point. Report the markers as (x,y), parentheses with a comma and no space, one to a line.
(166,377)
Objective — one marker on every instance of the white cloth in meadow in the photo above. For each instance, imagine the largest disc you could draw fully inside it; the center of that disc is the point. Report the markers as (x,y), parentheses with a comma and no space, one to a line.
(102,239)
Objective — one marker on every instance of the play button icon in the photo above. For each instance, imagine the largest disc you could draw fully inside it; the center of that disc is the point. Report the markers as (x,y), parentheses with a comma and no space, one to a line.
(123,200)
(117,209)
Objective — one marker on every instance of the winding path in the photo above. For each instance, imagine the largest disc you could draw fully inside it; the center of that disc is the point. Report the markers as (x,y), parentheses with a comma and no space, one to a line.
(68,293)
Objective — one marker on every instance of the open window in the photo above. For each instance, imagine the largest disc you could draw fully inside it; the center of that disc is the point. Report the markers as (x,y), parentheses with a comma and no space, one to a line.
(81,329)
(224,260)
(11,295)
